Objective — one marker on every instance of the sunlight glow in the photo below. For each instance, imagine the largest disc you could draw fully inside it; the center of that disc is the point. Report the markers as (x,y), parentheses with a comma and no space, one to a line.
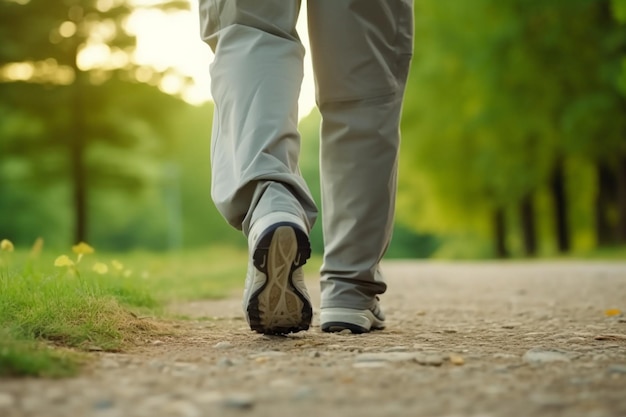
(67,29)
(172,41)
(47,71)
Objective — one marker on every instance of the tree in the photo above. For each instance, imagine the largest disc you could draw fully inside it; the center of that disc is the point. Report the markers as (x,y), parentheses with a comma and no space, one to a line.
(66,69)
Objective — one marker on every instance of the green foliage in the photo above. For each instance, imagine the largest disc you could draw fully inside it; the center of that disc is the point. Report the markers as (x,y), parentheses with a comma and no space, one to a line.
(499,93)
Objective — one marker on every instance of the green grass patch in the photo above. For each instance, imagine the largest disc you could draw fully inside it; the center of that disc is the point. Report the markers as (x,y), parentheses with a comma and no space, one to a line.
(22,357)
(48,314)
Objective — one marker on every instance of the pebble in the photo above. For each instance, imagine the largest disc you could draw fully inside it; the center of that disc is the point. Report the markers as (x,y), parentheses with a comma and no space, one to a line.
(504,356)
(362,365)
(540,356)
(225,362)
(6,400)
(429,360)
(617,369)
(457,360)
(315,354)
(223,345)
(239,401)
(157,342)
(103,404)
(304,393)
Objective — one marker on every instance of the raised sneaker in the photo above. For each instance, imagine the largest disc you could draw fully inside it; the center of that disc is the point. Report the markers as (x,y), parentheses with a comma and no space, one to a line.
(275,299)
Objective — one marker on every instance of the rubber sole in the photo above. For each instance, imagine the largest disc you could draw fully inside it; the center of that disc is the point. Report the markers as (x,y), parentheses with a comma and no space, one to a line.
(278,307)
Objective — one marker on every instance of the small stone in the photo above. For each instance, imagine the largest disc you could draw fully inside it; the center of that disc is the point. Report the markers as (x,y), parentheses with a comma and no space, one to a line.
(612,336)
(541,356)
(281,383)
(239,401)
(223,345)
(225,362)
(429,360)
(6,400)
(103,404)
(510,325)
(617,369)
(94,348)
(304,393)
(157,342)
(504,356)
(315,354)
(362,365)
(345,331)
(450,331)
(457,360)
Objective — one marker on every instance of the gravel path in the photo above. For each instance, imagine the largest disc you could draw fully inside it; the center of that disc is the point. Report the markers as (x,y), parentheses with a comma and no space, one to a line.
(475,339)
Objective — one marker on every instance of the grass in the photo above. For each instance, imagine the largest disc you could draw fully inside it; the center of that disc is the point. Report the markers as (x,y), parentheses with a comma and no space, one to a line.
(49,315)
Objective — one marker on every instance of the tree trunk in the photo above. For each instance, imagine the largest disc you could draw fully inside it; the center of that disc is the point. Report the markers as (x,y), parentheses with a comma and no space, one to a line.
(499,229)
(77,158)
(560,207)
(621,200)
(527,217)
(605,234)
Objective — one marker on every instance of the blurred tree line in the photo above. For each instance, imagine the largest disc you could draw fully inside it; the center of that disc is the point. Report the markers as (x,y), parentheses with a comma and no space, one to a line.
(90,147)
(515,126)
(514,132)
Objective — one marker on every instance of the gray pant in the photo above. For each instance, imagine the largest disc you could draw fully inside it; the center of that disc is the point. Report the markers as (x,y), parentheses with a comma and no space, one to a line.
(361,51)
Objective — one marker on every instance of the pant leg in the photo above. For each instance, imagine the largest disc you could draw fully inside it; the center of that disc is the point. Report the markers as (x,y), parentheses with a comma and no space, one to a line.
(361,51)
(255,82)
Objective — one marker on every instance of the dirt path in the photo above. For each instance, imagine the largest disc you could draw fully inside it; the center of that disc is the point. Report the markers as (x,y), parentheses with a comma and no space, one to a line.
(463,340)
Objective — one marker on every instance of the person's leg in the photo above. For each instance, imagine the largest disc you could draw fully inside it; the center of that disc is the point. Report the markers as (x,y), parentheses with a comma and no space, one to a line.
(256,183)
(361,51)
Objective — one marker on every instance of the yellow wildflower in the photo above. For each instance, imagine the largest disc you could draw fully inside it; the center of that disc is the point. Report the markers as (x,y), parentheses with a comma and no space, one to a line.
(6,245)
(100,268)
(82,249)
(117,265)
(63,260)
(35,251)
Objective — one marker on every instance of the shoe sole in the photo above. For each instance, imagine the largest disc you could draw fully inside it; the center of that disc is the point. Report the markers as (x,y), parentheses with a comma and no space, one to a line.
(336,320)
(278,307)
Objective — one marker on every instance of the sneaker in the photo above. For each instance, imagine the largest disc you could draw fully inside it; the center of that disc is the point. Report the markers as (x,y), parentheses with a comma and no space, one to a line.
(337,319)
(275,299)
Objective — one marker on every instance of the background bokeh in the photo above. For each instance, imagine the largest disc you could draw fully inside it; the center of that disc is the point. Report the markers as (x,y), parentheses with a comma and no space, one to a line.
(514,130)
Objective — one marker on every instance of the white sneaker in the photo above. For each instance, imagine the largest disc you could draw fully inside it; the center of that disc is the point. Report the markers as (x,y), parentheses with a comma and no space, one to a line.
(275,299)
(336,319)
